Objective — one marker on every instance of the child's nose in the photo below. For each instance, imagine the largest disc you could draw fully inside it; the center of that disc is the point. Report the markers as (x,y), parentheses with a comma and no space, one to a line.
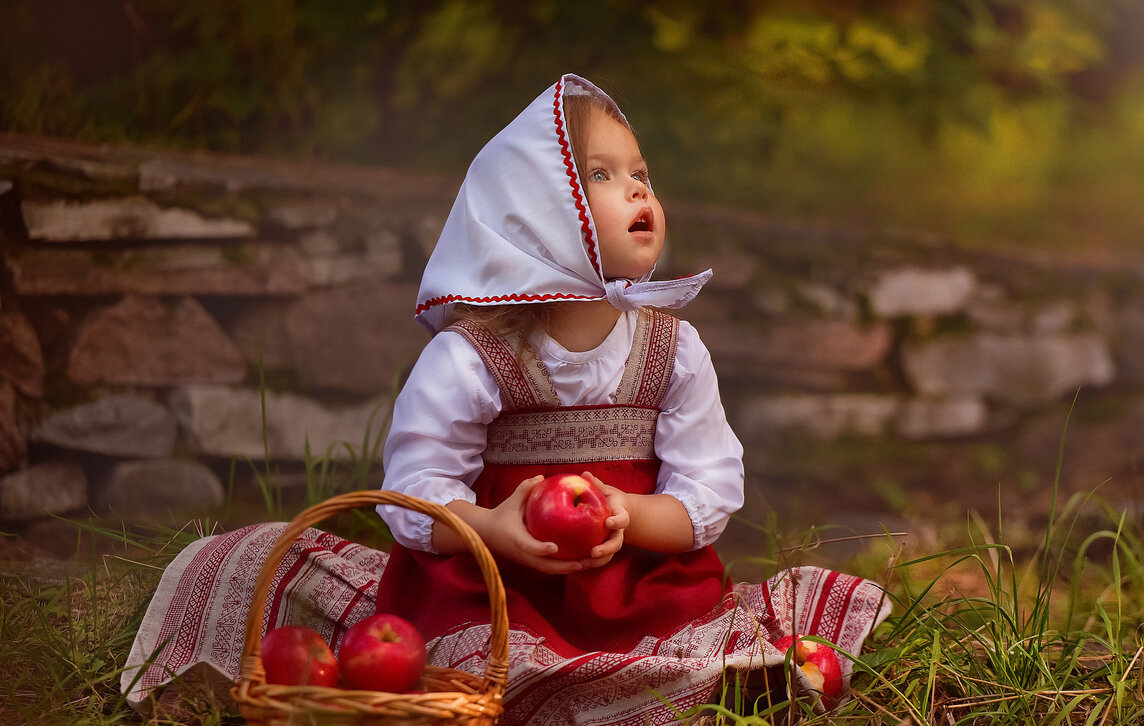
(638,190)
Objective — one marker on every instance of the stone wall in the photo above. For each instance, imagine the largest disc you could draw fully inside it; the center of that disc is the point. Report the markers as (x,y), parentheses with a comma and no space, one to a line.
(152,301)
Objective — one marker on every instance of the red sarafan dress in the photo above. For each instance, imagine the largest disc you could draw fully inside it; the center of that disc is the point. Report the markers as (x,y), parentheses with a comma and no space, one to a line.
(638,593)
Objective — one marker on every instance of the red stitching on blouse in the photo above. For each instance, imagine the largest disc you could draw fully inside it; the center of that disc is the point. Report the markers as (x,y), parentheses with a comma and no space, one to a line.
(570,169)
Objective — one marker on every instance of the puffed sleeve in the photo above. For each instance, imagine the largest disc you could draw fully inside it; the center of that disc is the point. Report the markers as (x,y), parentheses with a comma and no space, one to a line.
(437,434)
(702,458)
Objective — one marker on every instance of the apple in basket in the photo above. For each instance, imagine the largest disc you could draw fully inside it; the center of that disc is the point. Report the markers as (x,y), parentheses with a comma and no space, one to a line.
(569,510)
(820,665)
(382,653)
(293,655)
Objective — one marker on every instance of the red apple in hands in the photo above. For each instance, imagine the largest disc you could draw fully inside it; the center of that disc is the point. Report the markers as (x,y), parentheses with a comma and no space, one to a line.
(293,655)
(819,663)
(382,653)
(569,510)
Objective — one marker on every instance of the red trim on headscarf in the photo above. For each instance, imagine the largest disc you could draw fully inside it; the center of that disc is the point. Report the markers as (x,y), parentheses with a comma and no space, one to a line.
(570,168)
(514,297)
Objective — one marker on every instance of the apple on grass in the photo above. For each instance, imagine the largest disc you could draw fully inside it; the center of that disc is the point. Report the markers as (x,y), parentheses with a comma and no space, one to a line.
(819,663)
(382,653)
(293,655)
(569,510)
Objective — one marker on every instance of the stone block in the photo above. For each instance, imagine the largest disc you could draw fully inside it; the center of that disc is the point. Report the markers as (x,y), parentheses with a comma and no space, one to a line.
(1041,317)
(117,425)
(811,344)
(74,158)
(319,243)
(1054,316)
(825,416)
(355,340)
(829,344)
(126,218)
(259,331)
(160,490)
(303,215)
(52,487)
(827,300)
(347,269)
(1128,328)
(21,359)
(913,291)
(931,418)
(145,342)
(13,445)
(224,421)
(1021,370)
(170,269)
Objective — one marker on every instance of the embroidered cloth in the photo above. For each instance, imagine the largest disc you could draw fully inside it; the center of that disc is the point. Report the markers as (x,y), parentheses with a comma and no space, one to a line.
(195,623)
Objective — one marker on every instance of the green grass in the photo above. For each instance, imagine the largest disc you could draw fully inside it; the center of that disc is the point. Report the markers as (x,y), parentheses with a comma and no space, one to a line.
(979,633)
(990,625)
(64,636)
(984,631)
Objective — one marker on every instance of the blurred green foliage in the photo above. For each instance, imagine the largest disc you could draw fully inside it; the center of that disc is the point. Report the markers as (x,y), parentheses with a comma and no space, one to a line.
(984,119)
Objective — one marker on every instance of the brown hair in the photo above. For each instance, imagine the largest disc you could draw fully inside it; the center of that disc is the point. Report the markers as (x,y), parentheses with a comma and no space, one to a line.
(578,112)
(523,319)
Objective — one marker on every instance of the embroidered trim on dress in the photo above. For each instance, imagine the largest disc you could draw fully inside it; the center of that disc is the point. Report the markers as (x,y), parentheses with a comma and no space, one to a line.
(572,435)
(523,381)
(648,369)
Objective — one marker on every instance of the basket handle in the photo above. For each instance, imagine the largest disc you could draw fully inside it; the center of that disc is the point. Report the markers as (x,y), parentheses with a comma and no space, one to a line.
(496,671)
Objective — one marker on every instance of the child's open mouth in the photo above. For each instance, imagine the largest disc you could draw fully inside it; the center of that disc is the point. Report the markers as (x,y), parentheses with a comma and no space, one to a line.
(642,222)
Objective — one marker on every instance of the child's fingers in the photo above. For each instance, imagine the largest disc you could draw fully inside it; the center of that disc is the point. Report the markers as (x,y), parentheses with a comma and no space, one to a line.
(526,486)
(616,502)
(608,547)
(545,562)
(592,478)
(599,561)
(619,520)
(538,548)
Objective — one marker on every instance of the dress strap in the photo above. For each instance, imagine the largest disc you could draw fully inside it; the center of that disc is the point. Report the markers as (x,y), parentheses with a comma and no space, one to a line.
(651,362)
(523,381)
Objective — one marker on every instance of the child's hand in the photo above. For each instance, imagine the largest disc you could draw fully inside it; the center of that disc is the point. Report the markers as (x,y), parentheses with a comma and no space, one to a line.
(505,534)
(618,522)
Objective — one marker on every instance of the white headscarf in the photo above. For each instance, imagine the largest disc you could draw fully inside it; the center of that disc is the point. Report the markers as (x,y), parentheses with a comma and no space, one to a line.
(520,230)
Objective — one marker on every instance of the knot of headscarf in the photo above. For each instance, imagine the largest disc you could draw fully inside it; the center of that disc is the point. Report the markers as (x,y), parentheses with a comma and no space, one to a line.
(627,295)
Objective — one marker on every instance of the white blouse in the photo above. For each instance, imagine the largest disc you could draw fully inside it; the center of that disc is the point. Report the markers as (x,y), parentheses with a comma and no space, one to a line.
(440,417)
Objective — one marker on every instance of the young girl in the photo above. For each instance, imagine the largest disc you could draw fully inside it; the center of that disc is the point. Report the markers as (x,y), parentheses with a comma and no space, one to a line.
(547,359)
(550,355)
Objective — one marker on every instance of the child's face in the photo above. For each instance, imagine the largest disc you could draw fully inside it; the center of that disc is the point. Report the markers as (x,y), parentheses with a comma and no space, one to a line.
(630,225)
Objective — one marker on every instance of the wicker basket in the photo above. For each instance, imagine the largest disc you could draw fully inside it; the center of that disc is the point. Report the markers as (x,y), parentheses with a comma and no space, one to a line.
(450,697)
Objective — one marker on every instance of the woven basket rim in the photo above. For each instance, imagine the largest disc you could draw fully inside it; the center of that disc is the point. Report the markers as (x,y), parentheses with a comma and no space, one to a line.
(480,697)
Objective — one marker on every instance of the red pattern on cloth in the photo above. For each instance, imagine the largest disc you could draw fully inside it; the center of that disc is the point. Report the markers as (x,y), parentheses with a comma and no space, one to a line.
(337,585)
(197,616)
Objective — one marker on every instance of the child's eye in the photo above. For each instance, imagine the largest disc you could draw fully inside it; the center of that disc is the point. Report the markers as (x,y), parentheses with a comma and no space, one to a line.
(641,176)
(598,175)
